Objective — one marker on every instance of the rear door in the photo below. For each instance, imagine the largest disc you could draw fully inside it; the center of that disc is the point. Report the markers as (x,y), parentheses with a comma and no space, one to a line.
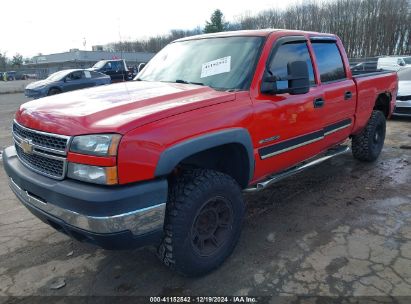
(88,79)
(338,90)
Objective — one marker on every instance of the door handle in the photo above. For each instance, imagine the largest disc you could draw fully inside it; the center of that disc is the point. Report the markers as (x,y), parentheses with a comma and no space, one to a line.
(347,95)
(318,102)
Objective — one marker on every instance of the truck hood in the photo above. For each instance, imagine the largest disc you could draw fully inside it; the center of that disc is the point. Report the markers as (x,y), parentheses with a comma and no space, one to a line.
(116,108)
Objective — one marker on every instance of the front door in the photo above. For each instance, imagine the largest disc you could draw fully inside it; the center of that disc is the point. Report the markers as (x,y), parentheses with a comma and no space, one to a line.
(289,127)
(74,81)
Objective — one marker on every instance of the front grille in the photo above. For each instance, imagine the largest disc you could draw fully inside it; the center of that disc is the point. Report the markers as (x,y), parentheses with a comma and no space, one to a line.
(42,164)
(42,152)
(404,98)
(402,110)
(41,138)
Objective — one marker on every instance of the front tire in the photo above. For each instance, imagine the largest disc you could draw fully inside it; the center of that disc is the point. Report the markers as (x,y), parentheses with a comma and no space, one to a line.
(367,145)
(53,92)
(203,222)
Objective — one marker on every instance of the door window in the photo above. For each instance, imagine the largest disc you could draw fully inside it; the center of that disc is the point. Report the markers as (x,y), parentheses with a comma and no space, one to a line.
(108,67)
(329,61)
(115,66)
(289,52)
(75,75)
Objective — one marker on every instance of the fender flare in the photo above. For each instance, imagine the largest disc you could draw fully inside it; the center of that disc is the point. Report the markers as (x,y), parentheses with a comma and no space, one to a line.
(173,155)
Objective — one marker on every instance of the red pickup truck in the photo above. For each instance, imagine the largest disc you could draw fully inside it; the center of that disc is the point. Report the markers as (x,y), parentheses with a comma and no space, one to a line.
(163,160)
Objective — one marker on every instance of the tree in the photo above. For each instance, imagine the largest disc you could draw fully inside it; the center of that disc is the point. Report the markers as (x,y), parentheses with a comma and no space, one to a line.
(3,60)
(17,60)
(216,23)
(367,28)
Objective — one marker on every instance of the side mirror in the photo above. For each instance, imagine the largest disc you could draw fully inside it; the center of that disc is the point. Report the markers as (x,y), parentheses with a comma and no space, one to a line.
(298,80)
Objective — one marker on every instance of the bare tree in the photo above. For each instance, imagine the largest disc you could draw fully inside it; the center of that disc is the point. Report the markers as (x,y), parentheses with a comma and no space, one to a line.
(367,28)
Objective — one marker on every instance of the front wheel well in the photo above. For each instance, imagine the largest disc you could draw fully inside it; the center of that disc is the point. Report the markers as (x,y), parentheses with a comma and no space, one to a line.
(231,159)
(383,104)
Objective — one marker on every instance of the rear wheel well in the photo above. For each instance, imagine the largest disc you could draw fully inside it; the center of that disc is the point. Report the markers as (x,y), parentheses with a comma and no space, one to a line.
(383,104)
(231,159)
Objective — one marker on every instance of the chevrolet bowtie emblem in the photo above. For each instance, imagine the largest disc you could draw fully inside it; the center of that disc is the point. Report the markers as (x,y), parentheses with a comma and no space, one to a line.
(27,146)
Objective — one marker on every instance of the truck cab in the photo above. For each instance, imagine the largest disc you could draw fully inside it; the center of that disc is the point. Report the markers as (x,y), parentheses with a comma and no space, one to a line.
(116,69)
(164,160)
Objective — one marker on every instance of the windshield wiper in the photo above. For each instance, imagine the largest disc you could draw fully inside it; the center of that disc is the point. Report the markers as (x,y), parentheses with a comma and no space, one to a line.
(188,82)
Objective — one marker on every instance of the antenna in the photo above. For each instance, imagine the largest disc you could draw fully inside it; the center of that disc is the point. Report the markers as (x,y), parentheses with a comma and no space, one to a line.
(119,36)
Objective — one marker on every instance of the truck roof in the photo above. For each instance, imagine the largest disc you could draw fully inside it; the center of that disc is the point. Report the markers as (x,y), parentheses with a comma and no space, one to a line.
(258,33)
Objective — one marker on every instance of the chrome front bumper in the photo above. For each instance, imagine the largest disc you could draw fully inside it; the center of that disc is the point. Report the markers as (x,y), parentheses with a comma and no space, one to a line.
(138,222)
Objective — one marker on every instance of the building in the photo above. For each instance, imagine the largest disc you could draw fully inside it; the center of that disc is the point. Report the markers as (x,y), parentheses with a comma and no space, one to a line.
(44,65)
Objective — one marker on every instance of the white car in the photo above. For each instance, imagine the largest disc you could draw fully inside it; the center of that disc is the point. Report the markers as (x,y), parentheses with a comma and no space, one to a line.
(403,103)
(393,63)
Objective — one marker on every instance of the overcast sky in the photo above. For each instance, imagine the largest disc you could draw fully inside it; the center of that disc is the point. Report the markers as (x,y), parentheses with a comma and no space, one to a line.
(46,26)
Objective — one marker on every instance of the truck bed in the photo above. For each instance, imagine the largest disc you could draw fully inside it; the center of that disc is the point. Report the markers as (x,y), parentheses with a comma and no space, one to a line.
(370,87)
(358,74)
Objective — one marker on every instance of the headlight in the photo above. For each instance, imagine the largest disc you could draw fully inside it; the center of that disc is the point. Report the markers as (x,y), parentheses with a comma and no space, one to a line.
(93,174)
(97,144)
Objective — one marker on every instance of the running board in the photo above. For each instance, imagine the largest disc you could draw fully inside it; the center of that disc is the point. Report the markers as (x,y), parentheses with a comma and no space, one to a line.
(305,165)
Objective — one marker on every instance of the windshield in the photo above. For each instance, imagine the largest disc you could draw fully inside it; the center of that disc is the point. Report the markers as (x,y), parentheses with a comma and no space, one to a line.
(99,64)
(407,60)
(221,63)
(57,76)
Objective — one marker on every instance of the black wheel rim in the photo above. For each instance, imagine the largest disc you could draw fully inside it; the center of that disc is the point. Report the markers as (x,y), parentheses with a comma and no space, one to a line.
(212,226)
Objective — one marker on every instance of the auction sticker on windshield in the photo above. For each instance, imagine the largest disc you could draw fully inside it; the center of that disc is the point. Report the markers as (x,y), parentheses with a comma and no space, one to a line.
(218,66)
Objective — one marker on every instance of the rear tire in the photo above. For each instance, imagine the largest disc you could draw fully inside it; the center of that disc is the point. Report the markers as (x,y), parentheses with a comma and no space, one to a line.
(203,222)
(367,145)
(53,92)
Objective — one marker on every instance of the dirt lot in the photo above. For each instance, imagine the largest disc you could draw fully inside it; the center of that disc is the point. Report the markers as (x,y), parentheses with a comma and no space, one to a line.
(342,228)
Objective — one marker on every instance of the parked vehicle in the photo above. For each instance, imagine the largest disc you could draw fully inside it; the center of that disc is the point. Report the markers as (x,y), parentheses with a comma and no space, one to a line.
(365,66)
(116,69)
(403,103)
(393,63)
(163,160)
(64,81)
(21,76)
(11,75)
(8,76)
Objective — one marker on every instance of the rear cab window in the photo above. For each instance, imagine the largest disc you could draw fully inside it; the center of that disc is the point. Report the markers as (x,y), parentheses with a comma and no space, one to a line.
(329,61)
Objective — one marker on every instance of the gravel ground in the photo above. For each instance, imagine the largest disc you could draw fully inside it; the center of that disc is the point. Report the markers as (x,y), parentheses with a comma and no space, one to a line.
(342,228)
